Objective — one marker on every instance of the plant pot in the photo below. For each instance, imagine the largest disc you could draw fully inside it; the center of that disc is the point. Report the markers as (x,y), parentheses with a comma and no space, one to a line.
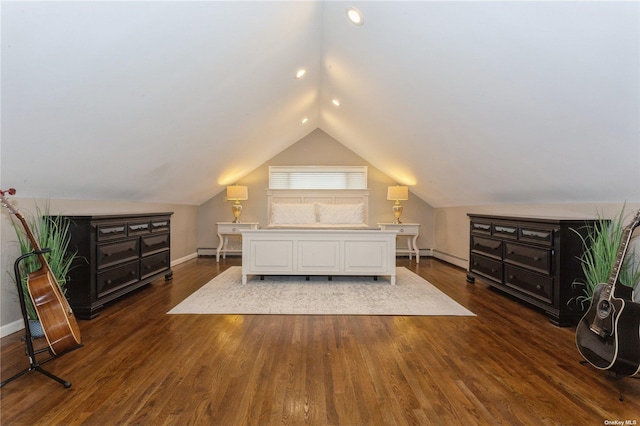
(35,328)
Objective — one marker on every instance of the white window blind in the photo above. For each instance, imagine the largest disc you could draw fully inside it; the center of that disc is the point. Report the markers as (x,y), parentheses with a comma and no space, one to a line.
(318,177)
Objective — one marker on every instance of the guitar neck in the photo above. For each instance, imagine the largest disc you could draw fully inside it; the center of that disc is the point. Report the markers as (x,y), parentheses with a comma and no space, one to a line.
(622,251)
(32,240)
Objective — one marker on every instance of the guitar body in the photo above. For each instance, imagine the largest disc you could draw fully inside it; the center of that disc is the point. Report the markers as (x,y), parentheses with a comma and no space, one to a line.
(619,350)
(54,312)
(58,322)
(608,335)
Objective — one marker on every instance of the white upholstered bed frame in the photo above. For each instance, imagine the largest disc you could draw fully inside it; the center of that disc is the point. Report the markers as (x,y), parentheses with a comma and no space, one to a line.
(321,248)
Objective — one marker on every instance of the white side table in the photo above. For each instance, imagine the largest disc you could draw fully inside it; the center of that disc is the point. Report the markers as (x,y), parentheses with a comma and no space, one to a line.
(409,230)
(229,228)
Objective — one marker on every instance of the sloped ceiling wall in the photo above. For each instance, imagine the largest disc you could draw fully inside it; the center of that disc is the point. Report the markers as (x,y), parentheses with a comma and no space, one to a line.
(468,102)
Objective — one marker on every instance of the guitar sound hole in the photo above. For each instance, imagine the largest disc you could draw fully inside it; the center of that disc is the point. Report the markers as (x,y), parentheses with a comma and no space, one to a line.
(604,309)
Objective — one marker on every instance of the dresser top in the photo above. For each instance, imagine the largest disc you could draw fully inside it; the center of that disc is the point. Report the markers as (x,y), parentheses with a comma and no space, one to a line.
(116,216)
(537,219)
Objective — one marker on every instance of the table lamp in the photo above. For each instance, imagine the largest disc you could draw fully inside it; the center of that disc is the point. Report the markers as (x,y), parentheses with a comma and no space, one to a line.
(397,193)
(237,193)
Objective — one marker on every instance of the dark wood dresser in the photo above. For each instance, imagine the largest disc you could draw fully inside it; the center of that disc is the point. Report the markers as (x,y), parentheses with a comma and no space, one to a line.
(532,259)
(116,254)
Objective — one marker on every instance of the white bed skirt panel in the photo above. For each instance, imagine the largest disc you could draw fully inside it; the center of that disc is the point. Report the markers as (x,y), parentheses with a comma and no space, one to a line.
(319,252)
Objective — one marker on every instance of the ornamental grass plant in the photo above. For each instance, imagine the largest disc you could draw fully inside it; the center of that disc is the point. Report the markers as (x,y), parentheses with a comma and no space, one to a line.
(601,245)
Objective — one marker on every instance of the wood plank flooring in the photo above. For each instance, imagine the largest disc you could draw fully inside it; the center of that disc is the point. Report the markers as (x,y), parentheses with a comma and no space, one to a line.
(140,366)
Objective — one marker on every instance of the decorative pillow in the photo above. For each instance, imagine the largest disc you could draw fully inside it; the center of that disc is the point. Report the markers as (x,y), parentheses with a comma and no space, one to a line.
(340,213)
(291,213)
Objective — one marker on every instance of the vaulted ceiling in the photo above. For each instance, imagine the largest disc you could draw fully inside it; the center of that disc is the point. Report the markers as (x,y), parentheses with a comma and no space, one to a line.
(468,102)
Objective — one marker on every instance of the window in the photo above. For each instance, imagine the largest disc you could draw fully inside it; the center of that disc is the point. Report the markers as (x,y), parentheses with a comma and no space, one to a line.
(318,177)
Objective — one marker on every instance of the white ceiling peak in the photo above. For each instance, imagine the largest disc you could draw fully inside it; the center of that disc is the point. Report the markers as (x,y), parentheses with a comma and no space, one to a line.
(468,102)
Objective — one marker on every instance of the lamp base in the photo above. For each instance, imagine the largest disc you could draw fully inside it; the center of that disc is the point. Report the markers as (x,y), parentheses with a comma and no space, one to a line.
(236,208)
(397,212)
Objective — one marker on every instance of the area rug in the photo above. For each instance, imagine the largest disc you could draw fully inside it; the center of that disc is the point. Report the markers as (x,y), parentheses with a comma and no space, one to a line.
(412,295)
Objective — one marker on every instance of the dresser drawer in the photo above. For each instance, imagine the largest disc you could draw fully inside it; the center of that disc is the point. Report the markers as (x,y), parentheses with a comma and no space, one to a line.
(153,264)
(536,235)
(111,231)
(154,244)
(160,225)
(505,231)
(113,253)
(487,246)
(535,258)
(138,228)
(529,282)
(116,278)
(481,228)
(487,267)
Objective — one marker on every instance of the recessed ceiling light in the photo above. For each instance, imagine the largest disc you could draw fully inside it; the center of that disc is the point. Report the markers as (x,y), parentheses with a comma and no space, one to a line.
(335,102)
(354,16)
(304,120)
(300,73)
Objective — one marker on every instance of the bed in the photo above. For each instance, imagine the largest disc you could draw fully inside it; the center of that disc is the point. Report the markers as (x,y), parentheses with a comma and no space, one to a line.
(318,232)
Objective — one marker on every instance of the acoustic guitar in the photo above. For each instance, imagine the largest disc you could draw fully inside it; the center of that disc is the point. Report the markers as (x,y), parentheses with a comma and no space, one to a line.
(608,335)
(56,316)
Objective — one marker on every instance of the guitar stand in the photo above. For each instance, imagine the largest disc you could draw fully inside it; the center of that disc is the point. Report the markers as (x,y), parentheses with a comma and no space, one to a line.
(618,378)
(34,365)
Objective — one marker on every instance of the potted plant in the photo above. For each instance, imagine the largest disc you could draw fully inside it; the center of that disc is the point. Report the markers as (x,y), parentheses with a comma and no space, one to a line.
(50,232)
(601,245)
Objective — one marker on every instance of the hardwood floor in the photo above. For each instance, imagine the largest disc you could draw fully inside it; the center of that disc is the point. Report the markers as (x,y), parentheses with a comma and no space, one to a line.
(507,365)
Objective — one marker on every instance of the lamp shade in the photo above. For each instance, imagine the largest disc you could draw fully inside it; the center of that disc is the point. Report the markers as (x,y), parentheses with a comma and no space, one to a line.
(237,193)
(398,193)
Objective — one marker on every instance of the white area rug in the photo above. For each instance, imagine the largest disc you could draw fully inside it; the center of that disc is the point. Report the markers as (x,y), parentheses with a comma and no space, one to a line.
(411,295)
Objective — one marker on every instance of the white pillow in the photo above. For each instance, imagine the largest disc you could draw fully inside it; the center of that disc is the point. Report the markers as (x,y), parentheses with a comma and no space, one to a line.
(291,213)
(340,213)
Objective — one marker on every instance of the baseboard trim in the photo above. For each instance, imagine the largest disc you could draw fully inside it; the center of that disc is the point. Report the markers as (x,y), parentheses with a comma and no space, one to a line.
(184,259)
(206,251)
(449,258)
(426,252)
(11,328)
